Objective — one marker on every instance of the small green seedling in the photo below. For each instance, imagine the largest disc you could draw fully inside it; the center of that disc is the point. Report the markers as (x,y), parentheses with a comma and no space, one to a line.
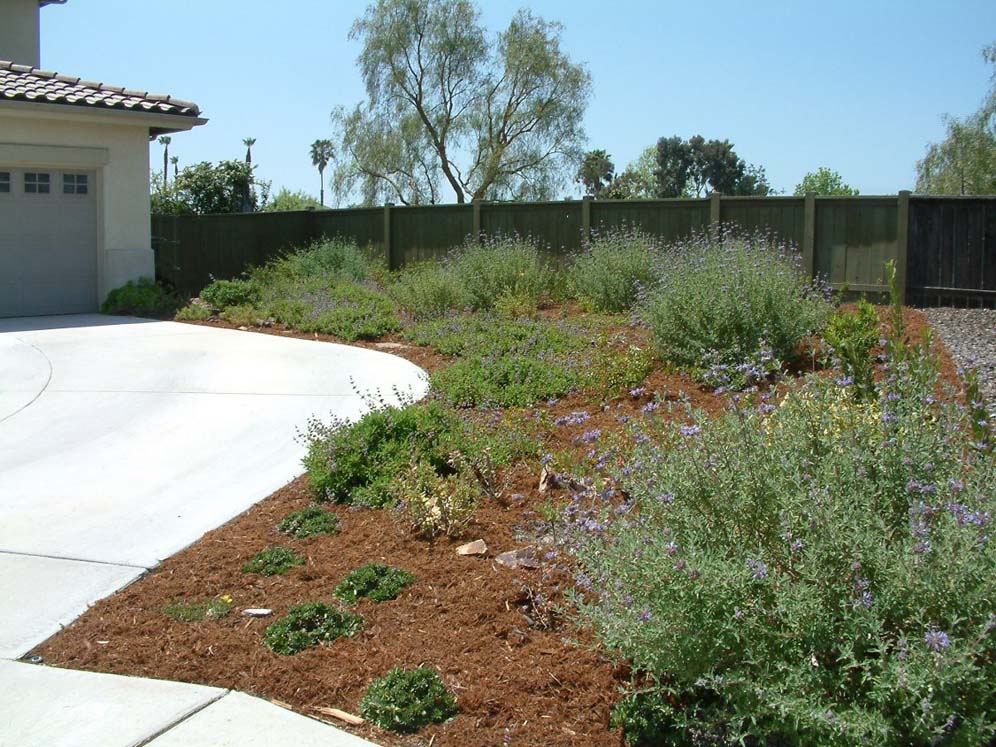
(273,561)
(309,625)
(377,582)
(309,522)
(212,609)
(405,700)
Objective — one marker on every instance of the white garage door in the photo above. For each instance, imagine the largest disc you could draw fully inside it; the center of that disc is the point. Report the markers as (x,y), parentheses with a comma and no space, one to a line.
(48,241)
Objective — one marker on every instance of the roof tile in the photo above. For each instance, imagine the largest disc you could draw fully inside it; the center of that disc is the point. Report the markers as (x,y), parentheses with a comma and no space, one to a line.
(21,82)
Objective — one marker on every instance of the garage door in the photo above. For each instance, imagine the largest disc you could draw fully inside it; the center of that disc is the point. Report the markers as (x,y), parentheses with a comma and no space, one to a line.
(48,241)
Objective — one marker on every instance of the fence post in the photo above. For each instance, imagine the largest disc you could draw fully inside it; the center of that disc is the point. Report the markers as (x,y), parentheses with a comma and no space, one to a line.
(902,241)
(585,220)
(388,252)
(714,207)
(477,221)
(809,235)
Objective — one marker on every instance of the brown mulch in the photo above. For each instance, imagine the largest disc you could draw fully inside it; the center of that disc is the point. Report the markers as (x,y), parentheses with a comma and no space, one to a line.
(465,616)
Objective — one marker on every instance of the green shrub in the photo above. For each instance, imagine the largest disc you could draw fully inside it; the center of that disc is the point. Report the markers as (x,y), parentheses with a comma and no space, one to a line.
(273,561)
(723,297)
(194,312)
(242,316)
(406,700)
(613,372)
(309,625)
(224,293)
(428,290)
(814,573)
(212,609)
(380,583)
(358,462)
(142,298)
(504,380)
(498,268)
(328,258)
(312,521)
(616,269)
(851,337)
(439,504)
(345,309)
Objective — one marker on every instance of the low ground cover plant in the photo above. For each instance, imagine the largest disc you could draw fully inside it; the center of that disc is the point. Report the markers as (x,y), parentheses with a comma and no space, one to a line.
(308,625)
(375,581)
(211,609)
(724,298)
(221,294)
(144,297)
(313,521)
(194,312)
(814,572)
(405,700)
(273,561)
(616,269)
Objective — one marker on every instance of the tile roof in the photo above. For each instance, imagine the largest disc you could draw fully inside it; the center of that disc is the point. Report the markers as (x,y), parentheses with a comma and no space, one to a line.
(24,83)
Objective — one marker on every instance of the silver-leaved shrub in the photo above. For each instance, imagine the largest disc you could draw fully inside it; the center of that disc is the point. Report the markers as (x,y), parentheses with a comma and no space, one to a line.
(816,570)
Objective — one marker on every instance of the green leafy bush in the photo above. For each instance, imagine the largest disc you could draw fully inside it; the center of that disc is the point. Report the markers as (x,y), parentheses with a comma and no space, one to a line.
(428,290)
(438,504)
(358,462)
(504,380)
(328,258)
(500,267)
(405,700)
(273,561)
(312,521)
(224,293)
(212,609)
(344,309)
(851,337)
(309,625)
(242,315)
(194,312)
(144,297)
(380,583)
(616,269)
(813,573)
(723,297)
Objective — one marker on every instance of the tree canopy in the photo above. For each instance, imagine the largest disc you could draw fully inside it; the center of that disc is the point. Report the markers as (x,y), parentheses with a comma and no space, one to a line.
(825,182)
(964,163)
(452,110)
(287,199)
(694,167)
(228,187)
(596,171)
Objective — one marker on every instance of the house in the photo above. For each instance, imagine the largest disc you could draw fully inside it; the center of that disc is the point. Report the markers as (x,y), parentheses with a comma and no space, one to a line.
(74,176)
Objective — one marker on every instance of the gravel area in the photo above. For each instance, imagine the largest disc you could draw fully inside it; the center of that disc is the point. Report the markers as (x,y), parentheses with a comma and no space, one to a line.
(970,337)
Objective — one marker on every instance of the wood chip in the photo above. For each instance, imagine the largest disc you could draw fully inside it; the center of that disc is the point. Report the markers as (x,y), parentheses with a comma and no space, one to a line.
(349,718)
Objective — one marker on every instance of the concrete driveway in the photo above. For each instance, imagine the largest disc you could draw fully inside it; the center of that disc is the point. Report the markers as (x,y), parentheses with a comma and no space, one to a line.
(123,441)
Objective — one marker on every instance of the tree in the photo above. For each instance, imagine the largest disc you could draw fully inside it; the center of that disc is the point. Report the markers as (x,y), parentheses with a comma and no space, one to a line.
(321,153)
(825,182)
(285,200)
(164,141)
(249,142)
(175,160)
(964,163)
(596,171)
(206,188)
(691,168)
(447,107)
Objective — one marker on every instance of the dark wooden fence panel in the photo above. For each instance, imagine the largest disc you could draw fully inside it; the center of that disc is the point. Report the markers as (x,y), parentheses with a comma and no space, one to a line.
(854,238)
(952,251)
(427,232)
(946,247)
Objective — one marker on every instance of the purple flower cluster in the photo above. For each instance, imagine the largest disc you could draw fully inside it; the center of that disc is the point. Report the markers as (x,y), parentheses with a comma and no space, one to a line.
(575,418)
(937,640)
(758,569)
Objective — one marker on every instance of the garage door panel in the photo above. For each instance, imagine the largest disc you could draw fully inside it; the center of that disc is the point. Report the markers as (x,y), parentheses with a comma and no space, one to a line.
(48,247)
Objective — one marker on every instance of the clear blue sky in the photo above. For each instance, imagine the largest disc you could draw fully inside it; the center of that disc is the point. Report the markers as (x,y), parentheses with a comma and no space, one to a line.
(856,85)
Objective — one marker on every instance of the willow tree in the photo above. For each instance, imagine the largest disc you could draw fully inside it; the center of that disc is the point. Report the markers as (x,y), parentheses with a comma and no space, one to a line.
(452,110)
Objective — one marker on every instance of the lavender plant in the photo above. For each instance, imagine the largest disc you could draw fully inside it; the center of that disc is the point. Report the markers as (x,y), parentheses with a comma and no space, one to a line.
(725,295)
(814,572)
(616,269)
(500,267)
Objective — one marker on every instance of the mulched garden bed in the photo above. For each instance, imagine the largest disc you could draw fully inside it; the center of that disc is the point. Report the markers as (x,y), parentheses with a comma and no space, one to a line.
(517,683)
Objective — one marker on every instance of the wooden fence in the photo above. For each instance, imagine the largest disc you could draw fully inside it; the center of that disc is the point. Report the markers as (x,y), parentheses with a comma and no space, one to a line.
(944,248)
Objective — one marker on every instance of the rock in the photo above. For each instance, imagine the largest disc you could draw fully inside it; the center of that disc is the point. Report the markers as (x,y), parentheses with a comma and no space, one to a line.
(522,558)
(477,547)
(390,345)
(547,480)
(257,612)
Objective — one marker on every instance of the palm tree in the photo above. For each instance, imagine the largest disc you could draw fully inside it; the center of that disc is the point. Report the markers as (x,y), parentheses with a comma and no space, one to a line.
(175,160)
(321,153)
(249,142)
(164,141)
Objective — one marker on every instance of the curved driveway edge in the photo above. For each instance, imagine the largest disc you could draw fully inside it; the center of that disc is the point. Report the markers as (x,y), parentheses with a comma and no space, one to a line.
(122,441)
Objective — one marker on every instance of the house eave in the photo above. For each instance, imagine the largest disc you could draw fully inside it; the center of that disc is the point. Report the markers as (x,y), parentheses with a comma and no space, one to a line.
(158,124)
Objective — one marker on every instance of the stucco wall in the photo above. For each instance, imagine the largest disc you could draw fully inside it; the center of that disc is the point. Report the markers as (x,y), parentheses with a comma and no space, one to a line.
(19,31)
(126,251)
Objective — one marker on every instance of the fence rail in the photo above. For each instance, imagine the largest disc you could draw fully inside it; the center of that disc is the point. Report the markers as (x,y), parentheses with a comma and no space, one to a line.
(944,247)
